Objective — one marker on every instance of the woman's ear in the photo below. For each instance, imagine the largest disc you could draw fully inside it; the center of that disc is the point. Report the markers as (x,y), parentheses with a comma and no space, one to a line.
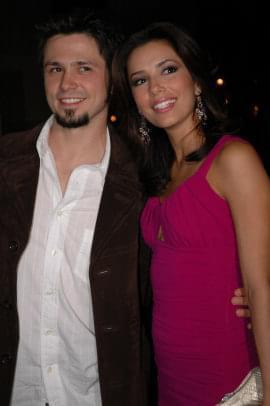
(197,90)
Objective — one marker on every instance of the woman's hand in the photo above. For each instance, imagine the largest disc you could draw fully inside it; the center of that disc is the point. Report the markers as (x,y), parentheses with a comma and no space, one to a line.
(240,299)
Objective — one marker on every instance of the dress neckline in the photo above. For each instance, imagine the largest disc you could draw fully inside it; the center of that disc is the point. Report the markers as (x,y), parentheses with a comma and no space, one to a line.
(198,170)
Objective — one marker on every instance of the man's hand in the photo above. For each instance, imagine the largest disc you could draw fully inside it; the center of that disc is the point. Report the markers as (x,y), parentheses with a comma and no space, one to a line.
(240,299)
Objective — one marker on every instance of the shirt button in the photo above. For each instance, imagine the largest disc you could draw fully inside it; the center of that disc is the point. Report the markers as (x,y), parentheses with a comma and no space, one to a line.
(54,252)
(49,370)
(60,213)
(49,332)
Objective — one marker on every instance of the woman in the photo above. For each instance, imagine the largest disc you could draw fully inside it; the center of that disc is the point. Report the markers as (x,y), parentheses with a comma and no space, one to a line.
(207,220)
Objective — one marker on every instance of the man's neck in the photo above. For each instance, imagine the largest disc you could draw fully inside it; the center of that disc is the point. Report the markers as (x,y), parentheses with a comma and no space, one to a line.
(77,146)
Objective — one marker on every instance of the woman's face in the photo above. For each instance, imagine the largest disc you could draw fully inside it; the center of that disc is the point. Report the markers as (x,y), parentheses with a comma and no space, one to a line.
(162,87)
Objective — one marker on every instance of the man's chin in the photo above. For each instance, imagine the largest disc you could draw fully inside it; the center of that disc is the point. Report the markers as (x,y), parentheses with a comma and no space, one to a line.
(72,122)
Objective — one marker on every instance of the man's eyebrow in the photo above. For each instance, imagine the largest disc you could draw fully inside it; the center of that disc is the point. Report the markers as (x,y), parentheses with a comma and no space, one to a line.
(79,63)
(52,63)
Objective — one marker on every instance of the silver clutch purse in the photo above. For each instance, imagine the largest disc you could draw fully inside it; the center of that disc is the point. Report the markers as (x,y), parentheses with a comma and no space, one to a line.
(248,393)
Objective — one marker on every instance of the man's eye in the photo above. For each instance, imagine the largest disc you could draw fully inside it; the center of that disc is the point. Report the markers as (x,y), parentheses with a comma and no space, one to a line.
(55,69)
(84,69)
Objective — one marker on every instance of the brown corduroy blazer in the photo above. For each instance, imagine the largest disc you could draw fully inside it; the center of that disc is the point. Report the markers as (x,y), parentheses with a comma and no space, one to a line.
(117,282)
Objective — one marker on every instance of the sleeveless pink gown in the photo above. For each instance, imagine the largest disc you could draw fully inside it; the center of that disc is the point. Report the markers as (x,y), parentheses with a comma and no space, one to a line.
(202,349)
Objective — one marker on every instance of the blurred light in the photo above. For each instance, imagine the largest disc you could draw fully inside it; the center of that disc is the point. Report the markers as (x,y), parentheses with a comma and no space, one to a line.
(255,109)
(113,118)
(220,82)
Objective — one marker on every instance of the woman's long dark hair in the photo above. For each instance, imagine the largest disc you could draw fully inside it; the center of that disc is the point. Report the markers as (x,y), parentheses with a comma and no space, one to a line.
(156,158)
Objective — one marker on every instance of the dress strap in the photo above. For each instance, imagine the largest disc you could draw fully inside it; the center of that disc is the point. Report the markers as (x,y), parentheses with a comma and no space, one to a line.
(204,168)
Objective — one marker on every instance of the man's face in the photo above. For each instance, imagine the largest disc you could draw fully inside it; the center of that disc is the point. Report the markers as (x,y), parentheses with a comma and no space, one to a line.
(76,79)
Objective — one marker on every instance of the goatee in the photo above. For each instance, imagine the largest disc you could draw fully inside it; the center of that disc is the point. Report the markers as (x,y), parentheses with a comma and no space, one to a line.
(69,121)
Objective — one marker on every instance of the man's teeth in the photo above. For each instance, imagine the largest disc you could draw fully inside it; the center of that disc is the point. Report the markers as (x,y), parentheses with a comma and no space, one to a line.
(71,100)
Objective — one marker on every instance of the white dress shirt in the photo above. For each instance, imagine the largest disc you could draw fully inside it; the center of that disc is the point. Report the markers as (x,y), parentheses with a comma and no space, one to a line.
(57,356)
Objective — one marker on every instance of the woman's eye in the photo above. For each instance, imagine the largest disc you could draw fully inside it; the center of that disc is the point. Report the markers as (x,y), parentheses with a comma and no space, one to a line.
(170,69)
(137,82)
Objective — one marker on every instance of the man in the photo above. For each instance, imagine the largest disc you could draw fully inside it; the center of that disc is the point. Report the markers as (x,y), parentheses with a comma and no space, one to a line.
(70,203)
(69,189)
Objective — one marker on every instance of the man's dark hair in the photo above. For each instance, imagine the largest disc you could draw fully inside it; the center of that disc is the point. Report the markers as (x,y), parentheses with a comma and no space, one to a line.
(81,22)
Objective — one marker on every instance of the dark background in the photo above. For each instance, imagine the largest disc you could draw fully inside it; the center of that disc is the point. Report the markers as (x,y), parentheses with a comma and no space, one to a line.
(236,34)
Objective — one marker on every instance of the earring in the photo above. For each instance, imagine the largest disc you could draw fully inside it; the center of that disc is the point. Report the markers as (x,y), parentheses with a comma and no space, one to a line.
(200,110)
(144,131)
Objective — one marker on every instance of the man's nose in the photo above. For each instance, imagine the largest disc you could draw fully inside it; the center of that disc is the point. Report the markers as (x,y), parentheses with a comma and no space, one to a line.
(68,81)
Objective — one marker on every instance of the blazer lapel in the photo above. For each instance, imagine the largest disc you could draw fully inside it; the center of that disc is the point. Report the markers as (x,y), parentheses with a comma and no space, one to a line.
(120,192)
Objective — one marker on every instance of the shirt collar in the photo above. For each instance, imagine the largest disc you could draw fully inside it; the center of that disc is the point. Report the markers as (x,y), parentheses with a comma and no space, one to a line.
(43,146)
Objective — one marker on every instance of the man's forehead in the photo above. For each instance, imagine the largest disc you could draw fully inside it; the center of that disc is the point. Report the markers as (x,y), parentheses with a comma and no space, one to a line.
(73,42)
(75,48)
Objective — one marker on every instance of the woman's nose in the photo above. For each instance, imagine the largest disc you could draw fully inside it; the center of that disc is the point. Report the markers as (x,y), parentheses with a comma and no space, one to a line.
(156,86)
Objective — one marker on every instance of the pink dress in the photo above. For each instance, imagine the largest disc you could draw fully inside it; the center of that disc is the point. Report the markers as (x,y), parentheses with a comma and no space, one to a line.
(202,349)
